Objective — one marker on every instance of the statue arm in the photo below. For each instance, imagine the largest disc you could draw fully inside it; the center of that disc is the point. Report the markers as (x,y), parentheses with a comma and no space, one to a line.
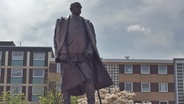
(55,36)
(92,47)
(57,26)
(93,30)
(58,54)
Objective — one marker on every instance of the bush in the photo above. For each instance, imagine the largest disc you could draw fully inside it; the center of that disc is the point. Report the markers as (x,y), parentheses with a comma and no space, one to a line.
(55,97)
(7,98)
(51,97)
(112,96)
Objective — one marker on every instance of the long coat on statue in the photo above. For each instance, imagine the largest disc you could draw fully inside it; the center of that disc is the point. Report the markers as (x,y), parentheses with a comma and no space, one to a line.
(72,78)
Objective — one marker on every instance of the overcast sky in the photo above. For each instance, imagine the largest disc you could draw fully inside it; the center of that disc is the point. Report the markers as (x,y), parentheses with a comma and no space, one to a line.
(141,29)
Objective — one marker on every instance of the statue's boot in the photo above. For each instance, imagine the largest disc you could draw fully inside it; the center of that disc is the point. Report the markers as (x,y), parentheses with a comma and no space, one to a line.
(90,93)
(66,97)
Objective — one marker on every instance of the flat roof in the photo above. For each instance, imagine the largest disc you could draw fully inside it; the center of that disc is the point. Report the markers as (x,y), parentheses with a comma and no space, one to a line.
(19,48)
(131,60)
(138,60)
(7,43)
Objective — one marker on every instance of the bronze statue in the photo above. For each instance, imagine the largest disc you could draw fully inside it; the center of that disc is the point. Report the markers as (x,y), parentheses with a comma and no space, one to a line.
(75,48)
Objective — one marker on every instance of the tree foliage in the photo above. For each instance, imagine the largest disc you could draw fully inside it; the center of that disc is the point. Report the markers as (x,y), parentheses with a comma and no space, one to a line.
(112,96)
(7,98)
(51,97)
(54,97)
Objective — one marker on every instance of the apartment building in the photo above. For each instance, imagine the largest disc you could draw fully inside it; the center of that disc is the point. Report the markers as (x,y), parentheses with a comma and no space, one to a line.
(54,75)
(179,79)
(151,80)
(24,69)
(113,70)
(28,69)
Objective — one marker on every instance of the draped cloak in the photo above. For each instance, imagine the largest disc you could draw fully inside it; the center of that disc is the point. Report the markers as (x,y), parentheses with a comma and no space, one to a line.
(72,78)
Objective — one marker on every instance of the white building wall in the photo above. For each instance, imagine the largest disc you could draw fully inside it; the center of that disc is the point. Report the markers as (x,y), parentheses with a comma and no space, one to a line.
(113,70)
(179,77)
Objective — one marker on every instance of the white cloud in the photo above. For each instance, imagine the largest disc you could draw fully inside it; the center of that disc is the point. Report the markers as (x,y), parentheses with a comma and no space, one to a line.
(151,38)
(177,55)
(159,24)
(138,28)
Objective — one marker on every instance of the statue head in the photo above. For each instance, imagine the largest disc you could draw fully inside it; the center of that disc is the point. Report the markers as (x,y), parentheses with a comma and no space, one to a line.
(75,8)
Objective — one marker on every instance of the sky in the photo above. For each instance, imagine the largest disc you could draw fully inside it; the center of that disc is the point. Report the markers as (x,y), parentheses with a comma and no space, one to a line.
(140,29)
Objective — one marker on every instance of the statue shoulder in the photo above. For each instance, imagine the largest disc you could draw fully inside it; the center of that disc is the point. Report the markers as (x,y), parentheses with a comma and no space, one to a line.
(62,19)
(87,21)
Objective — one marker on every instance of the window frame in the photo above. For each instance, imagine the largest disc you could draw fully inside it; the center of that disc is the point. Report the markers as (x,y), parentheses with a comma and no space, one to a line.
(160,87)
(159,70)
(126,70)
(58,85)
(11,87)
(38,53)
(131,85)
(15,57)
(41,76)
(1,55)
(58,67)
(163,102)
(41,88)
(15,75)
(142,89)
(143,66)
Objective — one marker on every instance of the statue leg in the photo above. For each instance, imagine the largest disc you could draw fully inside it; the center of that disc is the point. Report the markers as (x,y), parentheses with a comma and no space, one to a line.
(89,84)
(66,97)
(90,92)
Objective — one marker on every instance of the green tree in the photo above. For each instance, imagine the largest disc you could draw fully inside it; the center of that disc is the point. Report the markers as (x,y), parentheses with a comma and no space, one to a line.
(7,98)
(51,97)
(74,100)
(55,97)
(111,96)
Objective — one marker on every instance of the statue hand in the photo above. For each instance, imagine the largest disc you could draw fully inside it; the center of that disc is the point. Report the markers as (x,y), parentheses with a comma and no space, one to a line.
(57,60)
(62,58)
(89,54)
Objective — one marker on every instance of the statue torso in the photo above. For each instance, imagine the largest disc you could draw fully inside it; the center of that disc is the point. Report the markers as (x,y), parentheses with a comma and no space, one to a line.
(76,39)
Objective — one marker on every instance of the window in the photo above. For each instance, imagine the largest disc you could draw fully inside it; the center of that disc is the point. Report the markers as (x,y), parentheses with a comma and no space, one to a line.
(162,69)
(0,55)
(128,69)
(145,102)
(38,59)
(58,67)
(0,72)
(58,86)
(37,90)
(145,87)
(16,72)
(17,55)
(163,102)
(129,86)
(17,58)
(179,66)
(163,87)
(15,89)
(38,56)
(145,69)
(38,72)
